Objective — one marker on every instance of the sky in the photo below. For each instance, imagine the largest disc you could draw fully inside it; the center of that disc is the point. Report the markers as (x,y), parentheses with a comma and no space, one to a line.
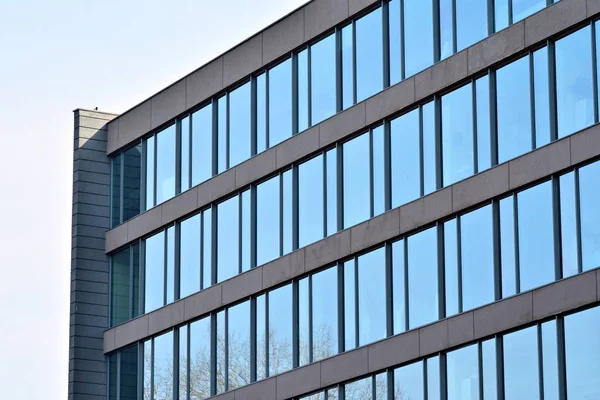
(56,56)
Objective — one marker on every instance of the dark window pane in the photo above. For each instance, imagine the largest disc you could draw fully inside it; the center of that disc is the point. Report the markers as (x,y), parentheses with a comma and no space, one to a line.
(542,97)
(395,49)
(324,313)
(184,162)
(280,330)
(200,359)
(150,172)
(589,189)
(228,241)
(120,287)
(357,199)
(347,67)
(115,191)
(280,103)
(521,379)
(189,248)
(484,148)
(303,90)
(154,272)
(132,182)
(463,373)
(405,158)
(267,221)
(129,371)
(507,247)
(238,345)
(399,280)
(574,82)
(112,376)
(457,135)
(514,109)
(422,278)
(136,279)
(451,267)
(429,148)
(536,238)
(418,28)
(446,29)
(369,55)
(239,124)
(471,22)
(163,367)
(582,348)
(323,79)
(408,382)
(524,8)
(310,201)
(371,297)
(165,164)
(568,225)
(202,142)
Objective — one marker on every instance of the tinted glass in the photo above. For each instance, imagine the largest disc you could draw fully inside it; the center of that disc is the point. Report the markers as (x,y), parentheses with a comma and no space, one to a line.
(507,247)
(359,390)
(514,109)
(154,272)
(422,278)
(147,377)
(200,359)
(115,191)
(477,256)
(202,139)
(310,201)
(446,29)
(398,284)
(112,376)
(332,192)
(120,287)
(280,103)
(369,55)
(280,330)
(303,90)
(395,49)
(524,8)
(189,256)
(222,155)
(484,148)
(452,276)
(261,112)
(408,382)
(542,97)
(323,79)
(405,159)
(568,225)
(418,28)
(238,345)
(239,124)
(471,22)
(582,348)
(349,305)
(429,147)
(457,135)
(150,171)
(220,352)
(325,311)
(347,67)
(184,162)
(267,221)
(536,238)
(521,364)
(371,297)
(170,293)
(129,371)
(488,361)
(574,82)
(183,362)
(378,171)
(357,199)
(228,240)
(550,360)
(207,248)
(462,368)
(589,188)
(163,367)
(433,378)
(132,182)
(501,14)
(136,279)
(165,164)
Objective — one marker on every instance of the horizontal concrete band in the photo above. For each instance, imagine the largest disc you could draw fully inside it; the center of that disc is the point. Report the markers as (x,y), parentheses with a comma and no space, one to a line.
(509,42)
(534,306)
(498,181)
(289,33)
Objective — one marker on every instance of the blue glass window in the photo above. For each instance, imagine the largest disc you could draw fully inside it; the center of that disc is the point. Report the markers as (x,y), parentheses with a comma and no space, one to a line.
(409,381)
(131,182)
(369,55)
(395,45)
(457,135)
(349,305)
(222,137)
(582,354)
(371,297)
(154,272)
(202,140)
(452,276)
(589,192)
(228,240)
(238,345)
(398,283)
(489,376)
(357,180)
(484,148)
(280,102)
(471,22)
(429,148)
(200,359)
(331,191)
(462,368)
(267,221)
(280,330)
(405,158)
(521,372)
(189,256)
(261,112)
(165,164)
(446,29)
(524,8)
(418,29)
(550,360)
(422,278)
(120,287)
(507,247)
(303,90)
(323,79)
(239,124)
(310,201)
(501,14)
(568,225)
(347,66)
(150,151)
(378,170)
(542,97)
(184,162)
(162,367)
(324,313)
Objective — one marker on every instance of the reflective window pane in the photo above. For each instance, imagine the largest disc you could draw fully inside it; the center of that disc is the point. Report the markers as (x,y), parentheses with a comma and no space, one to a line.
(162,367)
(170,293)
(524,8)
(484,148)
(267,221)
(129,371)
(280,330)
(150,170)
(418,28)
(422,278)
(589,192)
(222,155)
(582,348)
(112,376)
(184,162)
(303,90)
(550,360)
(395,49)
(147,374)
(471,22)
(239,124)
(246,230)
(280,103)
(408,382)
(115,191)
(324,313)
(238,345)
(347,66)
(488,361)
(323,79)
(359,390)
(521,373)
(399,291)
(452,277)
(574,82)
(228,240)
(462,368)
(349,305)
(207,248)
(165,164)
(189,256)
(429,148)
(221,352)
(446,29)
(457,135)
(332,192)
(202,141)
(501,14)
(542,97)
(183,362)
(310,201)
(286,182)
(154,272)
(261,112)
(507,247)
(369,55)
(405,158)
(303,322)
(514,109)
(378,173)
(568,225)
(477,256)
(120,287)
(132,159)
(371,297)
(261,337)
(356,178)
(536,238)
(200,359)
(434,391)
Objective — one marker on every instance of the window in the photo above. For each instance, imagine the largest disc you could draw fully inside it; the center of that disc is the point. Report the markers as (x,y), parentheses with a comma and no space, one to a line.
(331,194)
(238,345)
(549,359)
(207,251)
(589,188)
(395,46)
(280,103)
(429,148)
(310,201)
(350,338)
(542,97)
(222,135)
(129,369)
(348,94)
(268,220)
(228,239)
(323,79)
(120,287)
(418,28)
(582,354)
(501,14)
(303,105)
(201,144)
(451,270)
(324,312)
(189,256)
(183,362)
(165,164)
(422,278)
(405,158)
(521,364)
(371,297)
(408,382)
(489,375)
(434,390)
(280,330)
(357,179)
(154,272)
(446,28)
(471,22)
(369,55)
(508,259)
(261,111)
(239,125)
(462,368)
(484,147)
(399,304)
(184,160)
(524,8)
(115,191)
(149,164)
(162,367)
(200,359)
(568,225)
(457,135)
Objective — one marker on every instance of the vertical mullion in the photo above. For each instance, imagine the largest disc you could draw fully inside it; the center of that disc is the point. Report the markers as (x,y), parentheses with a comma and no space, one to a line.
(436,31)
(552,91)
(532,100)
(594,71)
(201,246)
(118,383)
(226,340)
(354,74)
(121,187)
(454,29)
(385,24)
(190,153)
(309,88)
(578,222)
(443,378)
(516,244)
(390,385)
(131,298)
(213,354)
(556,227)
(152,394)
(500,367)
(510,12)
(142,284)
(154,170)
(165,261)
(267,111)
(491,17)
(267,338)
(143,168)
(405,272)
(339,86)
(459,263)
(493,118)
(562,374)
(140,370)
(240,232)
(425,386)
(188,362)
(371,177)
(356,305)
(540,362)
(228,133)
(480,368)
(325,194)
(373,387)
(176,356)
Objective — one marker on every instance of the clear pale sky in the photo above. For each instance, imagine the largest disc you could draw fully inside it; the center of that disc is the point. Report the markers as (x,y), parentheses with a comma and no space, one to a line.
(56,56)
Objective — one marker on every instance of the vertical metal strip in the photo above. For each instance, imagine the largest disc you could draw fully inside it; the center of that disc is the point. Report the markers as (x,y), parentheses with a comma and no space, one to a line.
(165,263)
(454,29)
(267,111)
(240,232)
(510,12)
(497,243)
(356,305)
(491,17)
(340,187)
(267,337)
(390,385)
(253,228)
(500,367)
(213,354)
(154,178)
(439,158)
(177,266)
(143,168)
(325,194)
(176,357)
(480,369)
(226,340)
(493,118)
(152,394)
(385,24)
(562,368)
(425,378)
(436,31)
(443,376)
(215,136)
(190,152)
(228,133)
(295,208)
(540,351)
(188,362)
(118,383)
(142,285)
(578,222)
(309,88)
(402,43)
(201,247)
(421,153)
(557,227)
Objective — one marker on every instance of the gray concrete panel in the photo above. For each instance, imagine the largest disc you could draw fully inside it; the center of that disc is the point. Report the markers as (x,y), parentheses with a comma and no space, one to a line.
(585,144)
(242,60)
(92,177)
(116,236)
(345,366)
(168,104)
(298,147)
(165,317)
(427,209)
(179,206)
(553,20)
(394,351)
(203,302)
(497,47)
(261,390)
(135,123)
(131,332)
(503,315)
(283,37)
(256,167)
(321,15)
(217,187)
(87,165)
(300,381)
(573,292)
(99,145)
(593,7)
(113,137)
(242,286)
(341,125)
(283,269)
(375,231)
(540,163)
(143,224)
(391,100)
(433,338)
(355,6)
(441,75)
(109,339)
(91,133)
(460,329)
(480,188)
(326,251)
(204,82)
(88,121)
